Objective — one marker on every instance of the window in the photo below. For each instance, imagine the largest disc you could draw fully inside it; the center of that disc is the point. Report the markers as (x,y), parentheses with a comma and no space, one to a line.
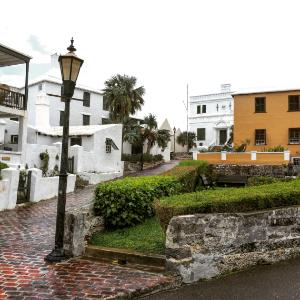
(260,104)
(105,103)
(14,119)
(105,121)
(294,135)
(294,103)
(200,134)
(108,148)
(61,118)
(86,99)
(260,136)
(14,139)
(76,141)
(201,109)
(85,120)
(109,143)
(40,87)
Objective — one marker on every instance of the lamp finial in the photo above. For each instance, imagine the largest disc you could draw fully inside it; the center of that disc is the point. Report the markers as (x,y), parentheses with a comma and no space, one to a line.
(71,48)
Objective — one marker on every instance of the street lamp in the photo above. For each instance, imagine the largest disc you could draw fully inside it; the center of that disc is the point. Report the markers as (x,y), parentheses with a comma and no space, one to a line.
(70,66)
(142,131)
(174,130)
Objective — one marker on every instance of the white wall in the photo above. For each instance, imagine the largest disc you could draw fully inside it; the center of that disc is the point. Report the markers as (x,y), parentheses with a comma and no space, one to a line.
(33,155)
(98,160)
(47,187)
(56,105)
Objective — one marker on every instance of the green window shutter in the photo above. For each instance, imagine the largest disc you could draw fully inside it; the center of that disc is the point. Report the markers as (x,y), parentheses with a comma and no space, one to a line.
(200,134)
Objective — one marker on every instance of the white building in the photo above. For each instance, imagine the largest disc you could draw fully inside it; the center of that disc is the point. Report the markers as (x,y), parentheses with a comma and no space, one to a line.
(211,117)
(91,111)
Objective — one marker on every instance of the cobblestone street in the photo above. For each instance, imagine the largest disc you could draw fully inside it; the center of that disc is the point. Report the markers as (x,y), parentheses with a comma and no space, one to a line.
(27,235)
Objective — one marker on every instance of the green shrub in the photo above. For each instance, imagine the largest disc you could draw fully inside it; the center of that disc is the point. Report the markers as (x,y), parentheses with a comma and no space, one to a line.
(259,180)
(129,201)
(187,173)
(277,148)
(229,200)
(2,166)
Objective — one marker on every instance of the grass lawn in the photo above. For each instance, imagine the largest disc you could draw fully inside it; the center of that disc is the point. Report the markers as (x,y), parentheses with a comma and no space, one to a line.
(147,237)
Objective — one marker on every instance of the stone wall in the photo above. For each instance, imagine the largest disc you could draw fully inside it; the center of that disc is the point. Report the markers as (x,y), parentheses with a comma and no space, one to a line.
(252,170)
(203,246)
(80,224)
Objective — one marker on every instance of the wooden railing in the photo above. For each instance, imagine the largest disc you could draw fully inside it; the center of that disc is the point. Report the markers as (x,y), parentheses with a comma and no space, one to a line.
(12,99)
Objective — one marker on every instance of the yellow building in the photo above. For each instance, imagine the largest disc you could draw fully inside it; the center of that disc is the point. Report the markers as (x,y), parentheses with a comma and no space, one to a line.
(268,119)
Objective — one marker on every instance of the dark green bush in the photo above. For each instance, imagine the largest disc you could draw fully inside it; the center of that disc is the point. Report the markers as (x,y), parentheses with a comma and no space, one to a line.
(3,166)
(129,201)
(188,173)
(229,200)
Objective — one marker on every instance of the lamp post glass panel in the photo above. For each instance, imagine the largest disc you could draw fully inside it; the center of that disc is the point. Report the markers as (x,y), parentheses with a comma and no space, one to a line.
(70,66)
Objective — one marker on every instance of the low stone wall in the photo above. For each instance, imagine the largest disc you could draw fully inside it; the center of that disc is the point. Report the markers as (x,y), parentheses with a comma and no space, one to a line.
(80,224)
(251,170)
(203,246)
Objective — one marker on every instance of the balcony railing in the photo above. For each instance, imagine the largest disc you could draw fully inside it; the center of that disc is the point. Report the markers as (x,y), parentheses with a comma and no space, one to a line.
(12,99)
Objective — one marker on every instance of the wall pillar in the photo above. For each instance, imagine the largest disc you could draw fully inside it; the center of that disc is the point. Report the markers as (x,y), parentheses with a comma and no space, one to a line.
(223,155)
(22,138)
(253,155)
(12,176)
(77,151)
(286,155)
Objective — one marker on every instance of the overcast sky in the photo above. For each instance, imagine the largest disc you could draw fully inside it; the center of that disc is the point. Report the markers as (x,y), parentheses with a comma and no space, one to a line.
(164,43)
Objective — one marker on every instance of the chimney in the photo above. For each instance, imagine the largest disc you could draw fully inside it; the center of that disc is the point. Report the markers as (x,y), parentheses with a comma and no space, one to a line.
(225,87)
(54,61)
(42,111)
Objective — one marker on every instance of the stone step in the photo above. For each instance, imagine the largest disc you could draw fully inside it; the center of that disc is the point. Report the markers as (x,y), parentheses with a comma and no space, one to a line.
(127,258)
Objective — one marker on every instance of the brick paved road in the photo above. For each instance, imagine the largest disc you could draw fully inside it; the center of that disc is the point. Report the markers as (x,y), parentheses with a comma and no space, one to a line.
(27,235)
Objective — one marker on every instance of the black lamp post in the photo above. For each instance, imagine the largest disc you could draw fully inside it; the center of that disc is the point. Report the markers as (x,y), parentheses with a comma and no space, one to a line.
(142,131)
(174,130)
(70,66)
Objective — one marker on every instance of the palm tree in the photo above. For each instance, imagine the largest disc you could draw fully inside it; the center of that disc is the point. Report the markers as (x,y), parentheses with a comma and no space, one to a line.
(182,140)
(123,97)
(150,133)
(138,135)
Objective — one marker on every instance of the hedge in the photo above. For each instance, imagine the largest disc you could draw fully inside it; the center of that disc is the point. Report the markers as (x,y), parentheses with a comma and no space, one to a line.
(229,200)
(129,201)
(188,173)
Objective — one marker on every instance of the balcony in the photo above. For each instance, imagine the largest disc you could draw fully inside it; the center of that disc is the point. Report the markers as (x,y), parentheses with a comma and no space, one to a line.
(12,99)
(8,97)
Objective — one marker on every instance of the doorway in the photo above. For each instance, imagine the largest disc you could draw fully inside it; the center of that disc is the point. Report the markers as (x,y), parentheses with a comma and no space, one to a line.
(222,136)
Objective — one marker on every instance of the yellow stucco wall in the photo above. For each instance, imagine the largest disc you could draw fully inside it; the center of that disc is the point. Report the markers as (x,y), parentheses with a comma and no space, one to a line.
(243,158)
(277,120)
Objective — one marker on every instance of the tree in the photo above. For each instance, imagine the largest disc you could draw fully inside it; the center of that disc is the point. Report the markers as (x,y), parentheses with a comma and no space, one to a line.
(182,140)
(138,135)
(124,99)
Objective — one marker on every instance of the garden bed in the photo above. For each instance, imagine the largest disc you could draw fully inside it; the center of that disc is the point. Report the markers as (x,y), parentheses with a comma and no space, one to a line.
(147,237)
